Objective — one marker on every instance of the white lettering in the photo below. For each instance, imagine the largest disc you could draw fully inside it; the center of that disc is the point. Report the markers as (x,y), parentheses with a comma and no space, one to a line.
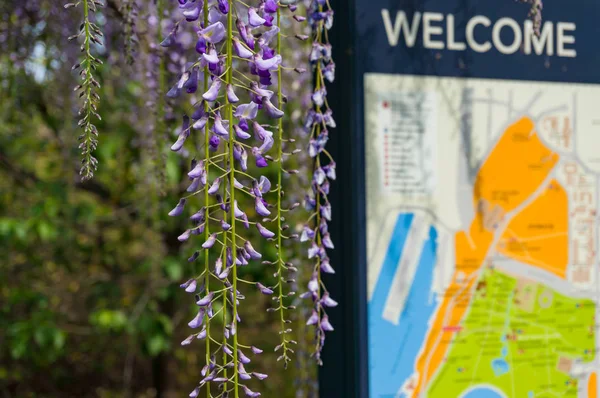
(401,24)
(429,30)
(518,39)
(477,20)
(453,45)
(555,38)
(562,39)
(545,39)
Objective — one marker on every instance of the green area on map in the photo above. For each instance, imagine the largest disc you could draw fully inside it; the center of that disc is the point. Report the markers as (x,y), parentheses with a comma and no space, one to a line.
(519,337)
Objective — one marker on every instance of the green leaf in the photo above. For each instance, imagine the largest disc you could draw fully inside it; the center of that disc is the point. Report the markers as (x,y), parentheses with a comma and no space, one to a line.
(157,344)
(174,269)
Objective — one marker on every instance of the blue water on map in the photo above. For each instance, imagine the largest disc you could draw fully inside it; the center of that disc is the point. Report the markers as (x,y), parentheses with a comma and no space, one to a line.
(482,392)
(393,349)
(500,366)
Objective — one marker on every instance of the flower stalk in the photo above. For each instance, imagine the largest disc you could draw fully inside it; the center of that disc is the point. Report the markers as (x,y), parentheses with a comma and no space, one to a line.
(87,88)
(319,119)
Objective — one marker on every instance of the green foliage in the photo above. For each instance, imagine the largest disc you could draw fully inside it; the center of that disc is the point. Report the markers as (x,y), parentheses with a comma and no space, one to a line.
(89,271)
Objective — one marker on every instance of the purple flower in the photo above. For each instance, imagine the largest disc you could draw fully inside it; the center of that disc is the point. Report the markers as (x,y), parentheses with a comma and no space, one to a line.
(241,134)
(191,85)
(225,226)
(264,40)
(189,286)
(267,64)
(198,320)
(259,376)
(260,92)
(256,350)
(198,170)
(193,187)
(231,97)
(319,176)
(260,207)
(241,50)
(183,135)
(200,123)
(264,184)
(313,319)
(325,325)
(170,39)
(250,250)
(245,33)
(188,341)
(214,142)
(326,266)
(198,216)
(242,373)
(184,236)
(218,127)
(307,234)
(177,210)
(313,250)
(327,241)
(270,6)
(191,11)
(213,91)
(318,96)
(210,241)
(261,161)
(246,111)
(223,6)
(260,133)
(326,211)
(313,284)
(206,300)
(236,210)
(263,289)
(213,33)
(329,72)
(201,45)
(249,392)
(196,390)
(328,301)
(330,170)
(264,232)
(271,110)
(194,256)
(254,19)
(211,57)
(244,160)
(243,358)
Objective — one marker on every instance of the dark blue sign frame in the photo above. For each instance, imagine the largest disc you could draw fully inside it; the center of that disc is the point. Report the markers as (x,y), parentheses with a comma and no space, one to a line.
(360,45)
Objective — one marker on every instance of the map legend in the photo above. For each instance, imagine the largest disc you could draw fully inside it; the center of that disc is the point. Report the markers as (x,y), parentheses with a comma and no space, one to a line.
(408,135)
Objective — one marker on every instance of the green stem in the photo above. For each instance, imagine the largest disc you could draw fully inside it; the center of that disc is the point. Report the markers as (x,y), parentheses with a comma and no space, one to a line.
(229,110)
(88,90)
(207,211)
(280,261)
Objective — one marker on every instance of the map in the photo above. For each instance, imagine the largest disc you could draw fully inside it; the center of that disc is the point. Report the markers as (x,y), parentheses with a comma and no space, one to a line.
(482,237)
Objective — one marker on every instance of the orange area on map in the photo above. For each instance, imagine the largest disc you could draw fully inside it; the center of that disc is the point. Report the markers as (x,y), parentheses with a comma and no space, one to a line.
(515,168)
(538,235)
(593,386)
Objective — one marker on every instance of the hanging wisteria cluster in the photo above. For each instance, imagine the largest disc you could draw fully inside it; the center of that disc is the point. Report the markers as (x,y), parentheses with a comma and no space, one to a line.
(237,108)
(90,34)
(535,14)
(318,120)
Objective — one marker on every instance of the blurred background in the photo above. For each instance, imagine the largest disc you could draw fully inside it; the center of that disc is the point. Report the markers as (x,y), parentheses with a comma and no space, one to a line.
(90,304)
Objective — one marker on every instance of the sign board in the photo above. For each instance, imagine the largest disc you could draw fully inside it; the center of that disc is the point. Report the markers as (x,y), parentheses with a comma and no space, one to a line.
(480,149)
